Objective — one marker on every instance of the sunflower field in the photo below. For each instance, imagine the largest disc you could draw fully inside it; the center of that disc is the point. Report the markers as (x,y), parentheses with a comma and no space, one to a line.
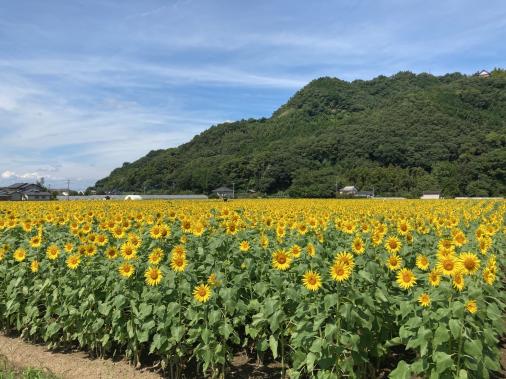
(327,288)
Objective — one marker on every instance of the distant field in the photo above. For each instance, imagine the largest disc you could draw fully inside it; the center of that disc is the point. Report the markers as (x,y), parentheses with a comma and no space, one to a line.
(327,288)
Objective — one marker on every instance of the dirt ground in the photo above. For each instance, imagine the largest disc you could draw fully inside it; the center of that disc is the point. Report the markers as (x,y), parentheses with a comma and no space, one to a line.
(79,365)
(74,365)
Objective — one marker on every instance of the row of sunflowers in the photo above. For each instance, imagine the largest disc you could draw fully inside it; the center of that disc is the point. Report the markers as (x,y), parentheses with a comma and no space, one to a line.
(328,288)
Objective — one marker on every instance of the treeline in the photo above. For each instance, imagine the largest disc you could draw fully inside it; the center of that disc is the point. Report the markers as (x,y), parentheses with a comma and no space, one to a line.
(400,135)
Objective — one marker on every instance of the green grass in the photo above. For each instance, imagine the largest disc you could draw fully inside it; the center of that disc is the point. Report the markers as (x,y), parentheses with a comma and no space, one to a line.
(8,371)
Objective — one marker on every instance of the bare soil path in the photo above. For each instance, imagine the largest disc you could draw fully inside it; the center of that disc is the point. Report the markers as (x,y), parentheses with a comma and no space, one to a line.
(73,365)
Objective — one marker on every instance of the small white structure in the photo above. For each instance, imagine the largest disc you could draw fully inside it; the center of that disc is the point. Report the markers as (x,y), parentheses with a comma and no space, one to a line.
(484,74)
(348,190)
(133,197)
(431,195)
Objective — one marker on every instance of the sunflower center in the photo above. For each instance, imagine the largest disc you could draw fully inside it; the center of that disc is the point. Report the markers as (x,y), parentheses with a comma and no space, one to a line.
(469,264)
(281,259)
(448,265)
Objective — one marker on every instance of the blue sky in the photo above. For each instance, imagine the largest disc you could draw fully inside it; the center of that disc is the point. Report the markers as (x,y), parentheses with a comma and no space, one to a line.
(86,85)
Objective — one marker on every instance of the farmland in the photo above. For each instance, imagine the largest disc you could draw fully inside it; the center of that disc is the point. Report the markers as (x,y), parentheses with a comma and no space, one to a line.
(327,288)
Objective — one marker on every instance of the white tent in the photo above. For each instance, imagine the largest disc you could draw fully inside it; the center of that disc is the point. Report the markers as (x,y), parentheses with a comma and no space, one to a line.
(133,197)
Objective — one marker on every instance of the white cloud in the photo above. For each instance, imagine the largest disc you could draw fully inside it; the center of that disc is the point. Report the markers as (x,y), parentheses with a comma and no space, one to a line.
(8,174)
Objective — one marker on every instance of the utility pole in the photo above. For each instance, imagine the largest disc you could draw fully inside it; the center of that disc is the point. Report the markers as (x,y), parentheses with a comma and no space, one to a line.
(233,190)
(68,189)
(336,187)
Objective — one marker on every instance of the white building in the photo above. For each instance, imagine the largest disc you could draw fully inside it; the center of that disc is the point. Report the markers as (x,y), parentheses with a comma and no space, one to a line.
(348,190)
(431,195)
(484,74)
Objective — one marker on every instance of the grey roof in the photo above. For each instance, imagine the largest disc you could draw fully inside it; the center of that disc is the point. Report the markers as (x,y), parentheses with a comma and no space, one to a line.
(17,185)
(431,193)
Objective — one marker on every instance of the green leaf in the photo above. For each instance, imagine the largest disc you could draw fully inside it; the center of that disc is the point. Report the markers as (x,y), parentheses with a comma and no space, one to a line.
(145,310)
(226,330)
(473,348)
(366,275)
(330,330)
(104,309)
(462,374)
(380,295)
(440,336)
(454,327)
(275,320)
(402,371)
(493,312)
(214,317)
(316,347)
(273,343)
(177,332)
(310,360)
(443,361)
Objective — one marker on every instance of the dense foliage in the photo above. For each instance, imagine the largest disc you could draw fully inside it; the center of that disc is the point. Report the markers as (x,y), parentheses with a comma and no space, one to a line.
(328,288)
(400,135)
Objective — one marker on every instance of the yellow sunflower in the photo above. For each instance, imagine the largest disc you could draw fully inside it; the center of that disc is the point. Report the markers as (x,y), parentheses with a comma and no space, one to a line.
(20,254)
(153,276)
(471,306)
(312,280)
(422,262)
(393,245)
(128,251)
(424,299)
(358,246)
(434,278)
(458,281)
(488,276)
(73,261)
(468,263)
(394,262)
(111,253)
(244,246)
(340,272)
(126,270)
(346,259)
(52,252)
(35,265)
(156,232)
(156,256)
(311,250)
(202,293)
(35,241)
(447,265)
(406,279)
(281,260)
(178,263)
(213,281)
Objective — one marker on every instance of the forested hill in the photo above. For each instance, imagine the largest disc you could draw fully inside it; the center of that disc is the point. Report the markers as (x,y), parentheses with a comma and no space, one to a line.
(402,135)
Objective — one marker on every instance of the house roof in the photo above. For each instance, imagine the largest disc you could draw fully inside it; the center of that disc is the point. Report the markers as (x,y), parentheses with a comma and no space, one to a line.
(431,193)
(348,188)
(17,185)
(484,72)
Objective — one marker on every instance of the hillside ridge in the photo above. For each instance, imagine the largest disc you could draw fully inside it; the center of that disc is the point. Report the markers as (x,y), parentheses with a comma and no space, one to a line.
(400,135)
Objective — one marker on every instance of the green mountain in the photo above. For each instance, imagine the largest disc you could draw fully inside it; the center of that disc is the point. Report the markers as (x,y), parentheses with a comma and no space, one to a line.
(400,135)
